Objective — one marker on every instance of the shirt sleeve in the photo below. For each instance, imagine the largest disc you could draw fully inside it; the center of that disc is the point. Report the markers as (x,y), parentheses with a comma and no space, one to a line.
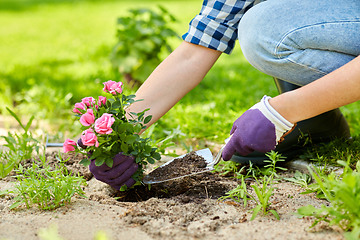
(215,27)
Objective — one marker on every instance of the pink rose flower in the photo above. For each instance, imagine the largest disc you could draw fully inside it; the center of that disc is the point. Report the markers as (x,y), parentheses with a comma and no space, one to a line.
(88,138)
(112,87)
(69,145)
(87,118)
(88,101)
(101,101)
(78,106)
(103,124)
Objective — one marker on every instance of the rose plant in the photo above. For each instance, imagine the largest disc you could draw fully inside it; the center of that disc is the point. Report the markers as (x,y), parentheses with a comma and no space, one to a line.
(108,130)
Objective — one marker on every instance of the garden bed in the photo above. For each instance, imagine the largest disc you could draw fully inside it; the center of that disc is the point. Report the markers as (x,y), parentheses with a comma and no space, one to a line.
(186,208)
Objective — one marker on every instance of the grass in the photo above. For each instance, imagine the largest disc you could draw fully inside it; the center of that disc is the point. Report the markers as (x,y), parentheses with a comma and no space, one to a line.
(56,52)
(343,193)
(47,188)
(262,188)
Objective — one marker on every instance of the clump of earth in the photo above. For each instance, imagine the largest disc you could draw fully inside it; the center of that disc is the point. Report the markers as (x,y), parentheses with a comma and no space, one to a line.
(185,208)
(191,163)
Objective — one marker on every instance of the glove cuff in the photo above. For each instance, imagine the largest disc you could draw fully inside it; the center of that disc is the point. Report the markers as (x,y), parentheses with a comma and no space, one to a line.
(281,124)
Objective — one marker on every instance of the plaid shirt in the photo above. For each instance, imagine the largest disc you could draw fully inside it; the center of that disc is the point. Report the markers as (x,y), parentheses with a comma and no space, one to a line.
(215,27)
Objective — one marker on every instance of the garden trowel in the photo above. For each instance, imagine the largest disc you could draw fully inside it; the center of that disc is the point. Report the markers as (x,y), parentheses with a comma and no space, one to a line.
(152,178)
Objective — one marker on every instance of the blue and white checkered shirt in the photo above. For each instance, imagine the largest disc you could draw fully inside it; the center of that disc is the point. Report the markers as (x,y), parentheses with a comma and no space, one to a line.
(215,27)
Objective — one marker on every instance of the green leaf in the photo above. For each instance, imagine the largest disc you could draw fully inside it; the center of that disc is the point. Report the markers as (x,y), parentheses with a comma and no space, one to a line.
(275,213)
(116,105)
(156,155)
(124,148)
(15,205)
(130,139)
(308,210)
(29,124)
(16,118)
(109,162)
(150,160)
(122,127)
(96,153)
(123,188)
(86,162)
(99,161)
(258,193)
(255,212)
(147,119)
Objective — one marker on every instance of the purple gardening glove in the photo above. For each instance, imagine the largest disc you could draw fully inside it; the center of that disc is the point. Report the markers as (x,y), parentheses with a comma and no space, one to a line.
(260,128)
(119,174)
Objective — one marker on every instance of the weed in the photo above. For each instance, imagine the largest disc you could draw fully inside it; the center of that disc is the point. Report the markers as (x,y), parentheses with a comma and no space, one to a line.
(8,161)
(44,187)
(300,178)
(22,144)
(227,167)
(343,192)
(263,187)
(338,149)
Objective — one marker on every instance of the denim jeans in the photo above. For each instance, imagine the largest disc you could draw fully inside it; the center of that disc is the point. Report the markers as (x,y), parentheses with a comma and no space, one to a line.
(300,41)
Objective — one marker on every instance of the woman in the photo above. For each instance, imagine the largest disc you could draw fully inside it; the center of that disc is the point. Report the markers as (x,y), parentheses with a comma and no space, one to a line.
(310,43)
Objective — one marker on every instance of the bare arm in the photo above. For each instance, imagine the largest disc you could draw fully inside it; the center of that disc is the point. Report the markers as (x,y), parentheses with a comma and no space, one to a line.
(338,88)
(179,73)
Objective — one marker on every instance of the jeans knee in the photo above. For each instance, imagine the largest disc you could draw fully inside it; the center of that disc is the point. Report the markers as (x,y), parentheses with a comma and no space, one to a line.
(256,39)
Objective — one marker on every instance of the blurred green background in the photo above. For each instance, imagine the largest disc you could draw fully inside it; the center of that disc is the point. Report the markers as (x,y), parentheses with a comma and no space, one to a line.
(53,53)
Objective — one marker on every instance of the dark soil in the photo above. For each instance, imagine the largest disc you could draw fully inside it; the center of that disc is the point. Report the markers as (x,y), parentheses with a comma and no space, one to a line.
(189,164)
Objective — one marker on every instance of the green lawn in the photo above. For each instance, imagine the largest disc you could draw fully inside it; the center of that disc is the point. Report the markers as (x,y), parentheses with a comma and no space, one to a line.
(53,53)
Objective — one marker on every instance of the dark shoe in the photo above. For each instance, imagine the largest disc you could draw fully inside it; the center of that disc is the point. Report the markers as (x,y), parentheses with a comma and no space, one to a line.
(319,129)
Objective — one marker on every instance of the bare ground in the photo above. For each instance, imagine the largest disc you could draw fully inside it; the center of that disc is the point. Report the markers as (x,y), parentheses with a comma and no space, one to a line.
(180,209)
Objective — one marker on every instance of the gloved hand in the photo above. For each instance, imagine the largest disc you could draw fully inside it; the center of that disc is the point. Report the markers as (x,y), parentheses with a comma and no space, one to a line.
(260,128)
(119,174)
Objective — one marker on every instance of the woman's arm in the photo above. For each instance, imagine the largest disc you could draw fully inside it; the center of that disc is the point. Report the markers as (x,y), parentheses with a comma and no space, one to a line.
(179,73)
(336,89)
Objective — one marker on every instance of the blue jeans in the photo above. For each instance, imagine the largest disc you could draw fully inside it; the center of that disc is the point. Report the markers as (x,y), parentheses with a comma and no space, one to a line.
(300,41)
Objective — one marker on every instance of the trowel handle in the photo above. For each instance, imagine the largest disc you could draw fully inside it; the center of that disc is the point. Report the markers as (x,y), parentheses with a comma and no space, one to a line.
(218,156)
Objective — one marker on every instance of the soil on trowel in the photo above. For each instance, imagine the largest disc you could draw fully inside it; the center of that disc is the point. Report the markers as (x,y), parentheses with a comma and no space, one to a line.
(189,164)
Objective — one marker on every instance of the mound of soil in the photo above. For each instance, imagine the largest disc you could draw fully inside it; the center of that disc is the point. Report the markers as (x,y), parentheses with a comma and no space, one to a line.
(189,164)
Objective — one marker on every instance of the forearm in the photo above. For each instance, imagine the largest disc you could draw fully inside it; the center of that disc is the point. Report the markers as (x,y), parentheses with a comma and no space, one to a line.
(338,88)
(180,72)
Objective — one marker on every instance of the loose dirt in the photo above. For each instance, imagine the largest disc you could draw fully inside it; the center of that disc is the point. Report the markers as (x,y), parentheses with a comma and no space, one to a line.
(187,208)
(182,166)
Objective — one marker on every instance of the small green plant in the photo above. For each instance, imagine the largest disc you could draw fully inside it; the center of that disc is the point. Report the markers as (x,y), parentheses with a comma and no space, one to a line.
(330,153)
(263,188)
(44,187)
(141,37)
(8,161)
(22,144)
(300,178)
(343,192)
(227,167)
